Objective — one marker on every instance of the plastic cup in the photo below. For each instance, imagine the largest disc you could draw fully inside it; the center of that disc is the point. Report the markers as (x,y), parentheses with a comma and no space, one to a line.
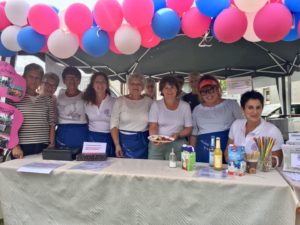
(251,166)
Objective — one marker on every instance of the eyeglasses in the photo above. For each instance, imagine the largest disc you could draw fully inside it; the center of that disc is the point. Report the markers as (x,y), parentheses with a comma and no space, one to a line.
(208,90)
(53,86)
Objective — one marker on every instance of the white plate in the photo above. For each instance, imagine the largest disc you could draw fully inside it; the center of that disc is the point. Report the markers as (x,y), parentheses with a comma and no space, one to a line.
(160,138)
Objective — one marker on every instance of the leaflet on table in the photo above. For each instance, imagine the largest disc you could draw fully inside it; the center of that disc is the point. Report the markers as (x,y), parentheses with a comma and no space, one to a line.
(91,165)
(294,137)
(94,148)
(293,176)
(211,173)
(39,167)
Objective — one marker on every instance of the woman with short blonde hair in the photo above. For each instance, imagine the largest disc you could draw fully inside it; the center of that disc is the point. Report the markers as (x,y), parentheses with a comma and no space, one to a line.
(129,120)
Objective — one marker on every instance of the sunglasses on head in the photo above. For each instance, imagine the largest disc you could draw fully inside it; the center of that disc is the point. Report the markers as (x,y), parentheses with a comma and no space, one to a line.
(208,90)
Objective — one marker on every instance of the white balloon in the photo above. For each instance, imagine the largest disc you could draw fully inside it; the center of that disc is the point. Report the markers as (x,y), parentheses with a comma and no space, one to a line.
(250,5)
(9,38)
(62,45)
(17,11)
(250,33)
(62,23)
(127,39)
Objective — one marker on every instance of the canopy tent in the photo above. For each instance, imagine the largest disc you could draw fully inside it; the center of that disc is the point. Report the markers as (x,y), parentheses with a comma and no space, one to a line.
(184,55)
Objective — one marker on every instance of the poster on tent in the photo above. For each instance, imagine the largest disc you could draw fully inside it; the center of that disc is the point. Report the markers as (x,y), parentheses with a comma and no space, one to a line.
(12,85)
(11,120)
(239,85)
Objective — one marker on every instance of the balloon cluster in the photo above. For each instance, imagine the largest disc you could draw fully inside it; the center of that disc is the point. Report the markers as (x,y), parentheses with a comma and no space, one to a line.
(124,28)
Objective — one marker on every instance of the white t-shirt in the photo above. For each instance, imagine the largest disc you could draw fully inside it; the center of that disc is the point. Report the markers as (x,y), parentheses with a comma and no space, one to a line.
(217,118)
(266,129)
(99,117)
(70,109)
(170,121)
(130,115)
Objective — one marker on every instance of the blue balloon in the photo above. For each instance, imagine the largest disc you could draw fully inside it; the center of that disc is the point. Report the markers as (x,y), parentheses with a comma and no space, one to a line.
(293,5)
(293,34)
(30,41)
(212,7)
(5,52)
(166,23)
(95,42)
(159,4)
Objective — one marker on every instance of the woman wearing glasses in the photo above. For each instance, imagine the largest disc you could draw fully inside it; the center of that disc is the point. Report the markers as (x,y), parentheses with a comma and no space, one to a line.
(213,117)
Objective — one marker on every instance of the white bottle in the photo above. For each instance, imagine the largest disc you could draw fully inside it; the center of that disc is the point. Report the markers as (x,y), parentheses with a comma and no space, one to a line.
(172,159)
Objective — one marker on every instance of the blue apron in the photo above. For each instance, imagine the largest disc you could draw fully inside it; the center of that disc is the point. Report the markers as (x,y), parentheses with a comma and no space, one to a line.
(103,137)
(71,135)
(203,143)
(134,144)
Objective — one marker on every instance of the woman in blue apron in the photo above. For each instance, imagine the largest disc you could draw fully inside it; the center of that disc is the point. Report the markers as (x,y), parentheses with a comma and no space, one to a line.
(213,117)
(98,107)
(72,124)
(129,120)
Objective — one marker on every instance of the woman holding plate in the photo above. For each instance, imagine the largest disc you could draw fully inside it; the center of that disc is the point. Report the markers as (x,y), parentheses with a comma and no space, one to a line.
(169,117)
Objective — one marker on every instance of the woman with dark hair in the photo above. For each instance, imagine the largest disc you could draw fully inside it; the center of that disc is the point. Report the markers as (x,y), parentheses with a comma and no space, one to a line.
(98,107)
(129,120)
(72,124)
(37,131)
(171,117)
(243,131)
(213,117)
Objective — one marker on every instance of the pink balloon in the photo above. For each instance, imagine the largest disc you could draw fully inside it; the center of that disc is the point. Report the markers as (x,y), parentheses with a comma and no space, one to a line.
(4,22)
(180,6)
(149,39)
(112,45)
(194,24)
(273,22)
(108,14)
(138,13)
(43,19)
(230,25)
(78,18)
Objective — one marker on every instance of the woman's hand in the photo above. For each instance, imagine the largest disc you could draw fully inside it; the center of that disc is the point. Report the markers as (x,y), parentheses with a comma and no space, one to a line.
(51,146)
(175,136)
(17,152)
(119,152)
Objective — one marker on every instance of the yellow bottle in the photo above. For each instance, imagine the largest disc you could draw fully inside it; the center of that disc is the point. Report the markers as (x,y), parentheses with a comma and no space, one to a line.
(218,155)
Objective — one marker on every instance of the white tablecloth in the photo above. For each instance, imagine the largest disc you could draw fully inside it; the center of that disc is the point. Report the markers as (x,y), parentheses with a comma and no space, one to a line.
(142,192)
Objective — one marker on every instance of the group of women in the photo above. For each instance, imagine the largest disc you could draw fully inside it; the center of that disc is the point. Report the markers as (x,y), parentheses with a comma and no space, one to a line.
(126,122)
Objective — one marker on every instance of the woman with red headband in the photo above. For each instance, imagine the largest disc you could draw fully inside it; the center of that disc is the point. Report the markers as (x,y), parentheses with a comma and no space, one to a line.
(213,117)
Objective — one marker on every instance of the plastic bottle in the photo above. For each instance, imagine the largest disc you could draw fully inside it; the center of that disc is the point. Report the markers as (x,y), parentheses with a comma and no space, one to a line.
(172,159)
(211,151)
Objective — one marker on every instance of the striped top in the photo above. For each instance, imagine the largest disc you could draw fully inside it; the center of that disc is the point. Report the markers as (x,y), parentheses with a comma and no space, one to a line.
(38,115)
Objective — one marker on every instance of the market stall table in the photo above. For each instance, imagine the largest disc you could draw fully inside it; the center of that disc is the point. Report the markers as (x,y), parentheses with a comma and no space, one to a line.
(132,192)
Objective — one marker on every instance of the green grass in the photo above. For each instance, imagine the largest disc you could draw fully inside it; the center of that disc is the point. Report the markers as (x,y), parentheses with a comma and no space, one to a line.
(1,222)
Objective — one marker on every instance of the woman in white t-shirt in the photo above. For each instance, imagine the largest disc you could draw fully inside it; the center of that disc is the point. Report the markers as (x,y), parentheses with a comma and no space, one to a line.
(72,124)
(171,117)
(243,131)
(129,120)
(98,107)
(213,117)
